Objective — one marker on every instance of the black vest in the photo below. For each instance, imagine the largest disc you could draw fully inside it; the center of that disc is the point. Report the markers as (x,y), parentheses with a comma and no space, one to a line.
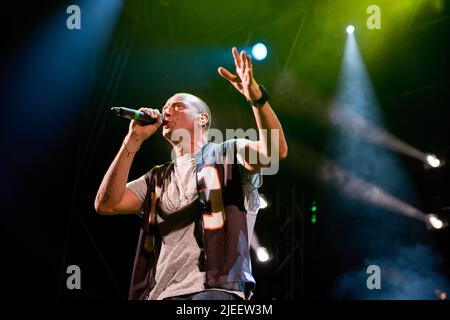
(221,225)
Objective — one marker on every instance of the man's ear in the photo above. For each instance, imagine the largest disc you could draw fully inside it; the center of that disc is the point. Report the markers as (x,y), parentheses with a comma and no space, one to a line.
(203,119)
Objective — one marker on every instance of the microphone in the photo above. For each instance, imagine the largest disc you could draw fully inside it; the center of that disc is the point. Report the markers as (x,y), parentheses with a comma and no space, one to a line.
(137,115)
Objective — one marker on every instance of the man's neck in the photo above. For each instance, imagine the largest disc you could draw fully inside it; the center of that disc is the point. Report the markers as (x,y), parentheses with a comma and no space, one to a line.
(189,144)
(182,149)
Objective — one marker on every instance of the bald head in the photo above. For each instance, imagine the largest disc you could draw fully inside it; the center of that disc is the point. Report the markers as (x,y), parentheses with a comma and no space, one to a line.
(197,103)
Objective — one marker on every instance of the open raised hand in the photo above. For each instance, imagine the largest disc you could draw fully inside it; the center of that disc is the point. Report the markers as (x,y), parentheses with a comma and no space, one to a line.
(243,81)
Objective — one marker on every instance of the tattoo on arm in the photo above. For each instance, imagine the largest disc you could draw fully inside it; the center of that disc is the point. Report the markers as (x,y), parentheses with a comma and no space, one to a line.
(106,195)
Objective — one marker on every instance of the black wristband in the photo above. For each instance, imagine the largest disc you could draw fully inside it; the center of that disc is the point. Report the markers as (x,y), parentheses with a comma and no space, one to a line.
(263,99)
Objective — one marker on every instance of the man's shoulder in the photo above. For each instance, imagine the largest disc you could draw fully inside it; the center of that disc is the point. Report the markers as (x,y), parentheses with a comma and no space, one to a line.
(158,168)
(230,143)
(229,149)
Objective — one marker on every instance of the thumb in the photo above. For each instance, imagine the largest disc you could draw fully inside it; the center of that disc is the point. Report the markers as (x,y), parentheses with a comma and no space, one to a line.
(227,74)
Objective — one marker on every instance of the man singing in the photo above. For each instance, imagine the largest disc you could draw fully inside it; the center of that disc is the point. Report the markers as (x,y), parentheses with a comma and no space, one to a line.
(199,209)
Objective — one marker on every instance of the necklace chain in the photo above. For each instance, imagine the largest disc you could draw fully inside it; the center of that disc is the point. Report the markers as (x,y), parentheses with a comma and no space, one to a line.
(185,187)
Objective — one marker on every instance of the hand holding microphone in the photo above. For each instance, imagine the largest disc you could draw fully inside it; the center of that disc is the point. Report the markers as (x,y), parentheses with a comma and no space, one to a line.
(138,115)
(145,121)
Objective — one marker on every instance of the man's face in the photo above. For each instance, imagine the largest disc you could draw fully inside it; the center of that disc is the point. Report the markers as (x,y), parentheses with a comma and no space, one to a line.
(179,113)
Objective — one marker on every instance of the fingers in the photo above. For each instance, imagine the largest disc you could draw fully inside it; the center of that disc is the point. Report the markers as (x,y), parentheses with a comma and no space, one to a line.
(249,67)
(243,59)
(154,113)
(237,58)
(227,75)
(244,71)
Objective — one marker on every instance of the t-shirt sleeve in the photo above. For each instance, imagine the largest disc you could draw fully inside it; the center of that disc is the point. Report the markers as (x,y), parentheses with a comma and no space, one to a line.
(138,187)
(240,146)
(255,179)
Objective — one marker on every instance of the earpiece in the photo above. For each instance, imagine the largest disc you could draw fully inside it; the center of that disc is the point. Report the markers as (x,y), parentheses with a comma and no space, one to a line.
(202,117)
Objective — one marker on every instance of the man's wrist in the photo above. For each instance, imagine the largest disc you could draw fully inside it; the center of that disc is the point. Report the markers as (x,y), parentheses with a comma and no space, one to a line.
(133,141)
(264,97)
(254,92)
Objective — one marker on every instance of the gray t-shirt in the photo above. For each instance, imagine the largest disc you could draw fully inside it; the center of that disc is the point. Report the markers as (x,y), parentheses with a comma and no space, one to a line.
(177,271)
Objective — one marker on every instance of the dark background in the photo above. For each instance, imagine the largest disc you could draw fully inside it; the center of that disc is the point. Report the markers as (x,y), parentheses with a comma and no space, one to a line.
(58,137)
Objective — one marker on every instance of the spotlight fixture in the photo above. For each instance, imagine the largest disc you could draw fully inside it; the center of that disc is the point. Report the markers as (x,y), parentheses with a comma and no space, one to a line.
(435,222)
(431,161)
(259,51)
(350,29)
(262,254)
(263,202)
